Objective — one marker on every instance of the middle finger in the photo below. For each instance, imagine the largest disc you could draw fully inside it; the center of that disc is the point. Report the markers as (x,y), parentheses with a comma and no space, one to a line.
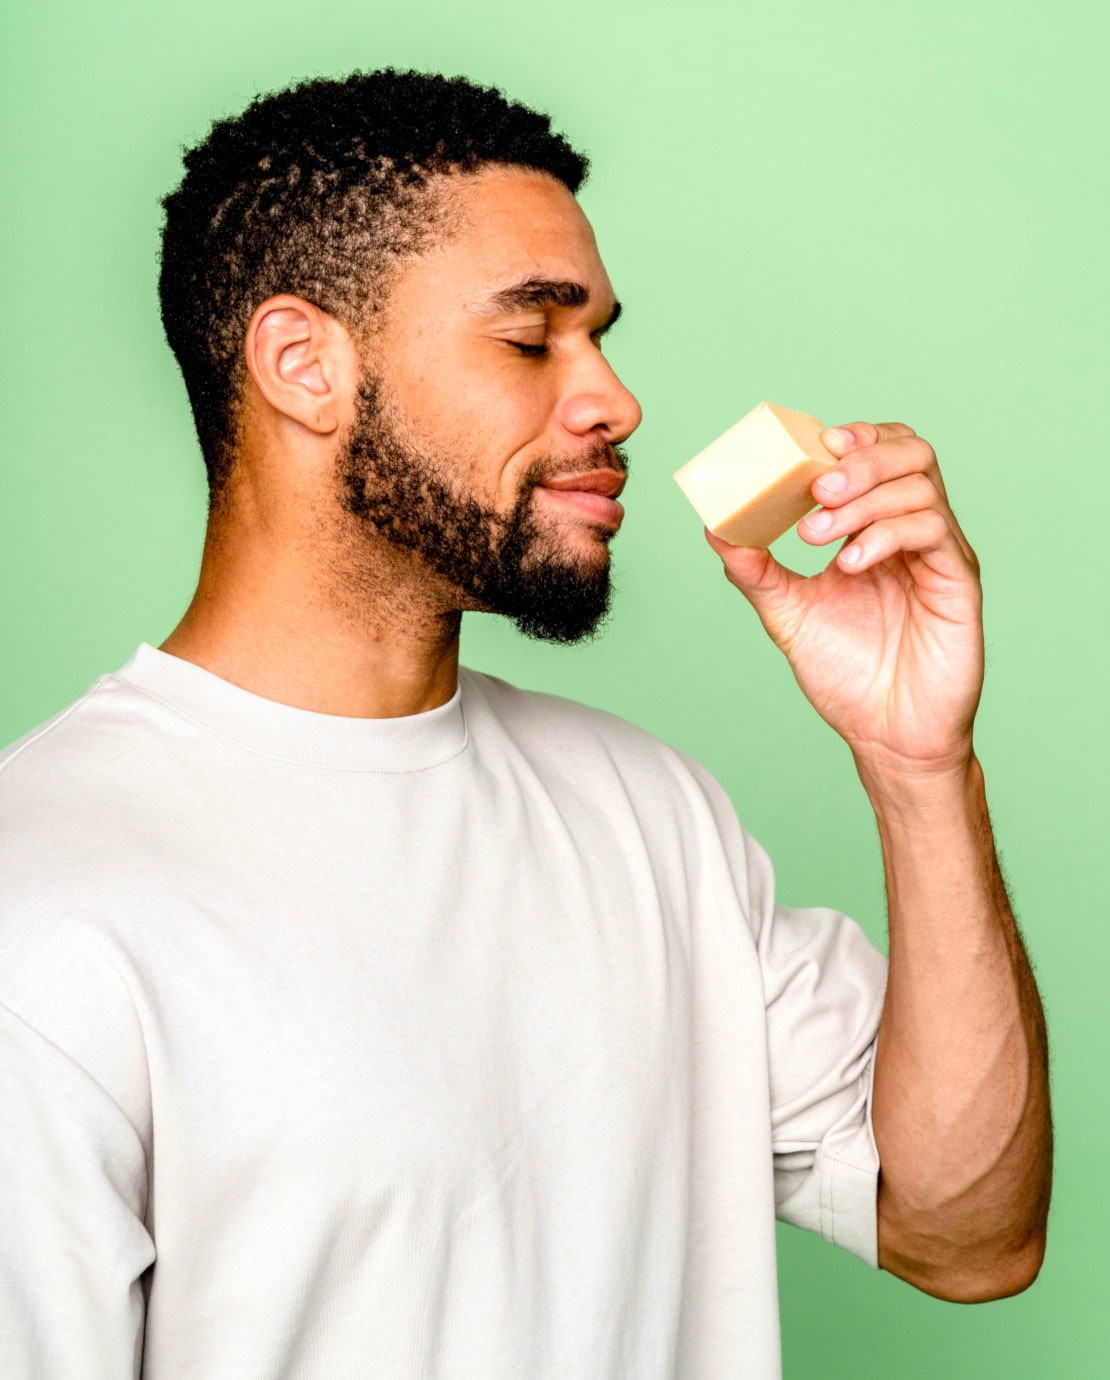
(909,493)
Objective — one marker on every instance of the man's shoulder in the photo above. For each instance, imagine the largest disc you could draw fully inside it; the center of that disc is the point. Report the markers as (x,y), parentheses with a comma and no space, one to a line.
(41,745)
(55,827)
(565,729)
(74,785)
(60,987)
(594,760)
(65,744)
(545,712)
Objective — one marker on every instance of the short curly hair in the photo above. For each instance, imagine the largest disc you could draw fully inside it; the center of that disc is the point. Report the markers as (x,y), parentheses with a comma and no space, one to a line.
(317,190)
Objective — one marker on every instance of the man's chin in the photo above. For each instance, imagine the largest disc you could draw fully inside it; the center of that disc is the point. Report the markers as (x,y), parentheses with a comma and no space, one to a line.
(561,603)
(561,633)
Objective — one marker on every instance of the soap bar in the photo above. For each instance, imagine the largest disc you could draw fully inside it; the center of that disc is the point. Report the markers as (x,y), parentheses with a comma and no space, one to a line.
(751,485)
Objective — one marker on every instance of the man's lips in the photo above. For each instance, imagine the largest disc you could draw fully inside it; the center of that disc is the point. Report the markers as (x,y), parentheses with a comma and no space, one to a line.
(608,482)
(593,492)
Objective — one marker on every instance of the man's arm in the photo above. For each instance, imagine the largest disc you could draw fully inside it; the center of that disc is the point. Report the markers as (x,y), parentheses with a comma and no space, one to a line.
(960,1105)
(887,644)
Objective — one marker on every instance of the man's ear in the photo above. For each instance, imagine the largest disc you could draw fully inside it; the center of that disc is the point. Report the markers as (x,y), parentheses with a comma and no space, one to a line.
(303,361)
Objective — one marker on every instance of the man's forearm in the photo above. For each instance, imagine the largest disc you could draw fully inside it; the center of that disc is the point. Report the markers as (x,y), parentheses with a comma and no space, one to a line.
(961,1097)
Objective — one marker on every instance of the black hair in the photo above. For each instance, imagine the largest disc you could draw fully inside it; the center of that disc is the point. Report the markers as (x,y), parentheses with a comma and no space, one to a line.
(317,190)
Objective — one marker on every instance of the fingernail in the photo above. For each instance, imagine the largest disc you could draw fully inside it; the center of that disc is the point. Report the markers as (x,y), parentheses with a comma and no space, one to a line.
(819,520)
(851,555)
(838,436)
(835,482)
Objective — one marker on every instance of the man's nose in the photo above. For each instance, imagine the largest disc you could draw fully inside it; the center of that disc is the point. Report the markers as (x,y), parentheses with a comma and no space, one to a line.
(597,401)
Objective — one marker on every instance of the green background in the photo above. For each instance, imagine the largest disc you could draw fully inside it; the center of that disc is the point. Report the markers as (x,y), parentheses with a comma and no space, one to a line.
(881,211)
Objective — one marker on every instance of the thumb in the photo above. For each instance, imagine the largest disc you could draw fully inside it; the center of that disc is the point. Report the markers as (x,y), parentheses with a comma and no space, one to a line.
(757,575)
(752,569)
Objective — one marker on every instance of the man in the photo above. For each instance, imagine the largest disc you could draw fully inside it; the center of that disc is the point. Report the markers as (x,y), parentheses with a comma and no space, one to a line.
(364,1015)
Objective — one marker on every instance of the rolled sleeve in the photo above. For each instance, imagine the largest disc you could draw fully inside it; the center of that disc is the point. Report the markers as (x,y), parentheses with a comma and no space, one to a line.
(848,1177)
(824,983)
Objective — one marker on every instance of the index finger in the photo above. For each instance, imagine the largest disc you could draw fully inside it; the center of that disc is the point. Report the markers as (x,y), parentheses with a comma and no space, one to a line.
(868,433)
(865,435)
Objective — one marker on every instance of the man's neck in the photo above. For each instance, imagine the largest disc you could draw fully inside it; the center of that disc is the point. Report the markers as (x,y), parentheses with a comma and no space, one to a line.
(276,622)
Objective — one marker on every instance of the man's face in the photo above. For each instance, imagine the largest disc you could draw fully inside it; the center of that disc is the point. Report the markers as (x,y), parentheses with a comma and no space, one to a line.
(488,424)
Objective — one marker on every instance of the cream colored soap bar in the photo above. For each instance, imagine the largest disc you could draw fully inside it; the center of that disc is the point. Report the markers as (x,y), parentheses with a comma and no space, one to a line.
(752,484)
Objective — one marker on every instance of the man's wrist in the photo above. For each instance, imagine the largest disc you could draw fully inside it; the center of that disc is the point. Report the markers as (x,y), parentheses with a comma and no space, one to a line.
(922,797)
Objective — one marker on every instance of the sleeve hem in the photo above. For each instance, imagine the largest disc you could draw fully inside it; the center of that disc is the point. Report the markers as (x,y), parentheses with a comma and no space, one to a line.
(849,1187)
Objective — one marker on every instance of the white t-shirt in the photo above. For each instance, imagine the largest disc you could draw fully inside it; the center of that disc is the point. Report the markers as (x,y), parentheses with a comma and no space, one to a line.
(470,1044)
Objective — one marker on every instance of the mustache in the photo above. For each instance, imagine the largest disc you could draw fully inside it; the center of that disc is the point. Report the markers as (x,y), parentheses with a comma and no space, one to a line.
(603,455)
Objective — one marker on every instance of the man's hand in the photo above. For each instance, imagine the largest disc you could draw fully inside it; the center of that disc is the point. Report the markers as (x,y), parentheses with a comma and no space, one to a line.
(886,642)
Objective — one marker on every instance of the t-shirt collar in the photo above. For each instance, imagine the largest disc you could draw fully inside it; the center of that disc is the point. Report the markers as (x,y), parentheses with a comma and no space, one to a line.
(409,743)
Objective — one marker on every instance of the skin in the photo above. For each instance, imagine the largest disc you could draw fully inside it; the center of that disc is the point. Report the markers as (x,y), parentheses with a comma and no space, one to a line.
(298,602)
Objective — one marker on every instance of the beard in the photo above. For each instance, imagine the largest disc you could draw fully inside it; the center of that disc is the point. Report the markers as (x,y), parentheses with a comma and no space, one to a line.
(500,563)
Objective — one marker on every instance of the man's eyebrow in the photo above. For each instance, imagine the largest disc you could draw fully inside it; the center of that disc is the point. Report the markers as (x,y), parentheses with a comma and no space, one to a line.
(541,293)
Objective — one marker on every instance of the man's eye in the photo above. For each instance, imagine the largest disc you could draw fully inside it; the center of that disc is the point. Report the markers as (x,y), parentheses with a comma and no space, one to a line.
(533,350)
